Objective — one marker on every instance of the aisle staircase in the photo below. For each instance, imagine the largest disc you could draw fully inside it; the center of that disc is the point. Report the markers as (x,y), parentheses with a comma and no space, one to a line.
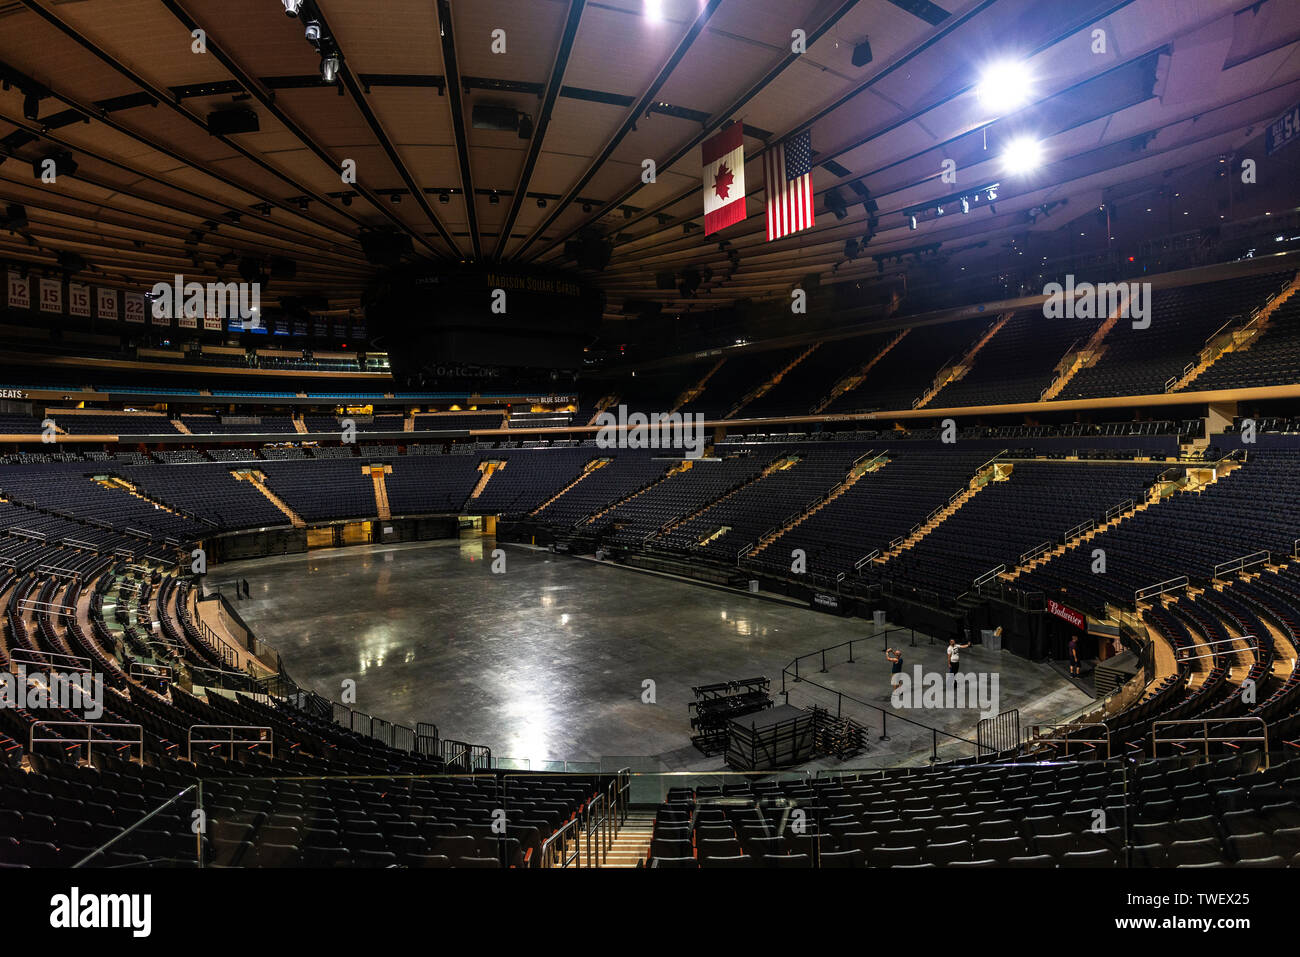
(772,380)
(587,470)
(778,465)
(632,842)
(958,369)
(691,393)
(852,381)
(488,469)
(868,463)
(1233,340)
(684,465)
(1088,355)
(377,473)
(986,476)
(258,481)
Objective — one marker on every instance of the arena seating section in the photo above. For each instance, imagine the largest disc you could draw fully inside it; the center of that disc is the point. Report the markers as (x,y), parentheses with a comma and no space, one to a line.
(874,509)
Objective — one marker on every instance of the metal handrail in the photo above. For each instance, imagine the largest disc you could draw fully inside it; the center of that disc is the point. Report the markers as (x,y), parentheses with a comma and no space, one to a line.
(156,811)
(1067,741)
(143,669)
(857,566)
(1079,529)
(1034,552)
(1205,738)
(1118,509)
(17,656)
(1180,653)
(596,824)
(90,727)
(35,606)
(230,742)
(1160,588)
(554,848)
(988,576)
(1241,564)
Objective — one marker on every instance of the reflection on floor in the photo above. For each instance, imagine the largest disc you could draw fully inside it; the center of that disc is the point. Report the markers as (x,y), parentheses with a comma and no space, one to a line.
(550,659)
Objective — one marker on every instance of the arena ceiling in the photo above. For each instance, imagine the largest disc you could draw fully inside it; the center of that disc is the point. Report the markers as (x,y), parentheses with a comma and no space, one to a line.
(1120,95)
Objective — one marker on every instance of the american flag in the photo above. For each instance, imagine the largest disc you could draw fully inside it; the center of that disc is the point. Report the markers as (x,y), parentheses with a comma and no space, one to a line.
(787,168)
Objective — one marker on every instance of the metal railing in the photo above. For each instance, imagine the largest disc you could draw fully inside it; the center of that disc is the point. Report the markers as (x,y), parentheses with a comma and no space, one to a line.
(265,738)
(598,829)
(88,728)
(1034,552)
(28,657)
(1036,733)
(1085,526)
(1205,739)
(1118,509)
(140,670)
(140,823)
(1241,564)
(1150,591)
(556,850)
(32,606)
(1182,654)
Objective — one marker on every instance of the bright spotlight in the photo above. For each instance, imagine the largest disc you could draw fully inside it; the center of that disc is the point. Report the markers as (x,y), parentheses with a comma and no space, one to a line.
(1022,155)
(654,10)
(1004,86)
(291,7)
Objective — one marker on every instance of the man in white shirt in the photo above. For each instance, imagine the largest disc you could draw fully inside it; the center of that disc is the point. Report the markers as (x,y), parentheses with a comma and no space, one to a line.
(954,654)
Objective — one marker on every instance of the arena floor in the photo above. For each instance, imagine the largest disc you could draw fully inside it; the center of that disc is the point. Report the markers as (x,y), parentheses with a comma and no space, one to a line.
(548,660)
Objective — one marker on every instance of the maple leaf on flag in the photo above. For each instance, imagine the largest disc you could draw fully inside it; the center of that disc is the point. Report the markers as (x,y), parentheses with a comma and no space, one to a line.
(722,182)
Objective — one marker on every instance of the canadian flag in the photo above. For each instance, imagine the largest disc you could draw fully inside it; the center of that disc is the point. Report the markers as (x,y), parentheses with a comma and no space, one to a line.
(724,179)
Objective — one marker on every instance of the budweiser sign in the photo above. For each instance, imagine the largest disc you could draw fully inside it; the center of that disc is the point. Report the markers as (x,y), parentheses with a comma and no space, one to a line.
(1069,614)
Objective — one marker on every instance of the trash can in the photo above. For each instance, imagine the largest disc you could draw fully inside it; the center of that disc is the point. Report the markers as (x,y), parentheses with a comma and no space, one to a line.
(878,618)
(753,585)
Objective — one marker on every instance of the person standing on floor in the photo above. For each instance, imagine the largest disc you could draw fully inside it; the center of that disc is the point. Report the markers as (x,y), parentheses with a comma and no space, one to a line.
(895,659)
(1074,655)
(954,654)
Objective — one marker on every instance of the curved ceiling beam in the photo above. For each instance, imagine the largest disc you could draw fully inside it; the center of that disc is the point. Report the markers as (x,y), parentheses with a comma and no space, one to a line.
(267,98)
(639,108)
(713,124)
(358,94)
(41,133)
(166,97)
(455,97)
(561,63)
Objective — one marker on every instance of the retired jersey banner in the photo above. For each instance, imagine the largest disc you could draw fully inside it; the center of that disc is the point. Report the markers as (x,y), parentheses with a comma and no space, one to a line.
(20,291)
(300,327)
(106,303)
(133,310)
(52,295)
(187,320)
(78,300)
(724,179)
(212,323)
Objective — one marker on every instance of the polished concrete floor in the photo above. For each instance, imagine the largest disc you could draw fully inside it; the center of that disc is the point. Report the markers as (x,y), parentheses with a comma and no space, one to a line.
(550,660)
